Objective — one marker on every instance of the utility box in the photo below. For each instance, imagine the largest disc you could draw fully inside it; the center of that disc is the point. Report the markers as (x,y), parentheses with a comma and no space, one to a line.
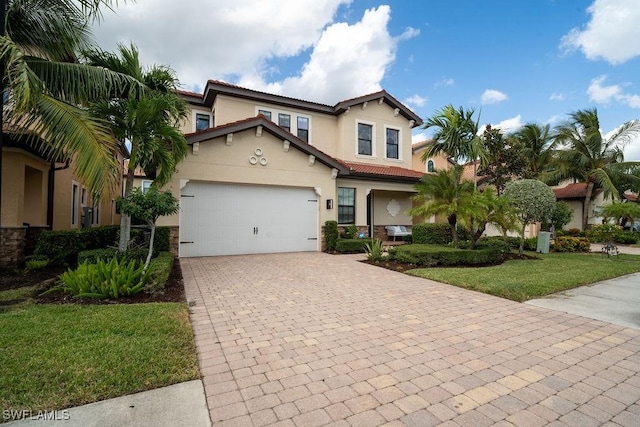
(544,240)
(87,217)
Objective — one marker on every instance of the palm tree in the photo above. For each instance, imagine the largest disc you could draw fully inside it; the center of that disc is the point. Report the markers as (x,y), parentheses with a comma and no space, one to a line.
(537,152)
(456,134)
(585,155)
(445,193)
(45,86)
(488,208)
(149,123)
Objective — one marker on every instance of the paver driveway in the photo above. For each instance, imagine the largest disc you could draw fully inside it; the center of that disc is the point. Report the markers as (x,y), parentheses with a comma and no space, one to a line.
(312,339)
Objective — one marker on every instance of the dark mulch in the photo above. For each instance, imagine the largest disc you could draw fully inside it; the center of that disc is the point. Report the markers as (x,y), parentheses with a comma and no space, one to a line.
(404,266)
(45,279)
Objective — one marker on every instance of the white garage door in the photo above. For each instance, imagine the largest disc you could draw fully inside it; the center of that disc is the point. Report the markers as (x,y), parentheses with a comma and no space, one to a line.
(229,219)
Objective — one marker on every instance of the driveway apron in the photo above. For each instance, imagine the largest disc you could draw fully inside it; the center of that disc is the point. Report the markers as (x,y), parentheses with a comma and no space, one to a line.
(311,339)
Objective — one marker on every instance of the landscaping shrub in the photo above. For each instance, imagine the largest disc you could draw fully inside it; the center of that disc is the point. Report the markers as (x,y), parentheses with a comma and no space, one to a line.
(611,233)
(531,244)
(495,242)
(435,255)
(331,235)
(571,244)
(431,233)
(626,237)
(353,246)
(111,279)
(106,254)
(374,250)
(62,247)
(350,232)
(34,264)
(159,270)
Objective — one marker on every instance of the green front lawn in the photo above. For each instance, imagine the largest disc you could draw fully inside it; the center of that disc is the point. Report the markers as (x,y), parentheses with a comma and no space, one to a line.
(520,280)
(57,356)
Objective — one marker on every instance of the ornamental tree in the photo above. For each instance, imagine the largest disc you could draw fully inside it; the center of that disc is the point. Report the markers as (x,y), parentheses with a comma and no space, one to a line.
(532,200)
(149,206)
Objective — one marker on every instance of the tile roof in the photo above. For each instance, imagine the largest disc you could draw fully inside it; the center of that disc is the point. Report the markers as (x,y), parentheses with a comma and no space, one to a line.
(577,190)
(632,197)
(382,171)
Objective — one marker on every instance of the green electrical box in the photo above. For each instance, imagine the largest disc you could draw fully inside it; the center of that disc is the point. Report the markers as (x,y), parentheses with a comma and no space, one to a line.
(544,240)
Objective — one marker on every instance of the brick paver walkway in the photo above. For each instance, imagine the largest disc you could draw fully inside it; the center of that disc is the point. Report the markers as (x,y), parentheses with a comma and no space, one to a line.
(312,339)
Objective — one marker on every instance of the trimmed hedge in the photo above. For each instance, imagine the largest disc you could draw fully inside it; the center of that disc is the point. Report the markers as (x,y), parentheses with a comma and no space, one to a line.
(159,270)
(331,234)
(353,246)
(62,247)
(431,233)
(435,255)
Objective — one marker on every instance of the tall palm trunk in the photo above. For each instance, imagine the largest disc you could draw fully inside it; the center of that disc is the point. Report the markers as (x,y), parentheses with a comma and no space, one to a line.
(125,220)
(587,206)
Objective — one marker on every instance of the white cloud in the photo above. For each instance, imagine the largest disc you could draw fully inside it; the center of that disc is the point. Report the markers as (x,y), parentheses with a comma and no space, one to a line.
(416,100)
(410,33)
(557,96)
(233,41)
(445,82)
(612,33)
(598,92)
(419,137)
(492,96)
(339,70)
(509,125)
(631,150)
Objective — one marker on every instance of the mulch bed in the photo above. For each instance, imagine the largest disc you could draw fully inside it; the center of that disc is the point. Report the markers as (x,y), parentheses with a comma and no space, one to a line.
(45,279)
(404,266)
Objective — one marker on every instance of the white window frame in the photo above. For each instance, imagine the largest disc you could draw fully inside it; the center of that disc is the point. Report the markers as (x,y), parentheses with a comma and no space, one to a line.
(75,199)
(293,120)
(373,139)
(195,115)
(391,159)
(142,185)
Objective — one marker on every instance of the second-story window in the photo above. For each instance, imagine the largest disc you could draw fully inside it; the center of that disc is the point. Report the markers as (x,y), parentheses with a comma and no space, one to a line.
(203,121)
(284,121)
(303,128)
(265,113)
(393,142)
(430,166)
(365,139)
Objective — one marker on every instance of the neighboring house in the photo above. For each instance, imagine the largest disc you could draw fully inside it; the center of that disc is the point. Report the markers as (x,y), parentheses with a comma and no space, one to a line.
(264,172)
(438,162)
(575,195)
(41,193)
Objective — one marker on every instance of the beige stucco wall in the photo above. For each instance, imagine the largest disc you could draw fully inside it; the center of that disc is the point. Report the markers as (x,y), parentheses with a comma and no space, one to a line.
(380,116)
(218,162)
(440,162)
(20,171)
(384,205)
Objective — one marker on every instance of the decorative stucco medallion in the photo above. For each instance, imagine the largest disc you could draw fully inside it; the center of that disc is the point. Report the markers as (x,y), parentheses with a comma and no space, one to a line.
(393,207)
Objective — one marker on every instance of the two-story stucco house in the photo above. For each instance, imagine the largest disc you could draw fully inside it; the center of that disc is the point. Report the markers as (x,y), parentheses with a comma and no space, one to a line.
(264,172)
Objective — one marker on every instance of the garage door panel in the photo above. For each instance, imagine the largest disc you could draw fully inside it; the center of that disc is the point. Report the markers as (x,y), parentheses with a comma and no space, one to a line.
(227,219)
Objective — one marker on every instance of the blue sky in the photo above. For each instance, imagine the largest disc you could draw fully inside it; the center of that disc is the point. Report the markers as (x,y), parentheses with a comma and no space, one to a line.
(512,61)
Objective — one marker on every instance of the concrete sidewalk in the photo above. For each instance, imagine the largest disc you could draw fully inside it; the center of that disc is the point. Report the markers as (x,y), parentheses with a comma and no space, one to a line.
(181,404)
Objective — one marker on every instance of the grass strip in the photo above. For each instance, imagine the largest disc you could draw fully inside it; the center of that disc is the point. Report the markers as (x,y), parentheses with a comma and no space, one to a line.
(59,356)
(520,280)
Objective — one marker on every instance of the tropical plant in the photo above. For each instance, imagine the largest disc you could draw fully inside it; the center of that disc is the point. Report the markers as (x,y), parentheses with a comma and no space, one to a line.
(331,234)
(456,134)
(532,200)
(45,86)
(374,250)
(444,192)
(489,208)
(536,149)
(149,123)
(621,212)
(111,279)
(585,155)
(149,206)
